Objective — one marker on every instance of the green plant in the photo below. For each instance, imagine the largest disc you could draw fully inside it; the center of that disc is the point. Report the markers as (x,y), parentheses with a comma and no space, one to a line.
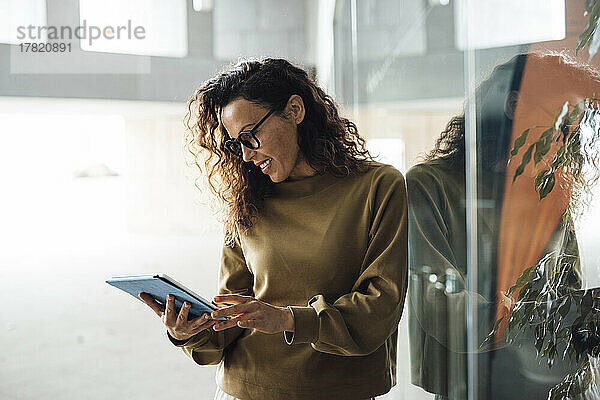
(543,306)
(545,290)
(569,158)
(591,35)
(548,290)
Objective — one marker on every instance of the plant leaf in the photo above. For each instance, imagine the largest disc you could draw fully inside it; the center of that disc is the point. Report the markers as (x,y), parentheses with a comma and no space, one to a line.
(546,186)
(542,146)
(524,161)
(519,142)
(594,44)
(561,116)
(539,177)
(587,34)
(521,280)
(586,304)
(576,113)
(539,339)
(563,309)
(491,335)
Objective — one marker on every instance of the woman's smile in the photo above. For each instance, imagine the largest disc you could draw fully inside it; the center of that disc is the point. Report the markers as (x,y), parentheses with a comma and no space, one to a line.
(265,166)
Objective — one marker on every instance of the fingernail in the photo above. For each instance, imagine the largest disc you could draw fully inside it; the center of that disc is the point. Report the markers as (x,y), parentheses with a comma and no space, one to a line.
(186,304)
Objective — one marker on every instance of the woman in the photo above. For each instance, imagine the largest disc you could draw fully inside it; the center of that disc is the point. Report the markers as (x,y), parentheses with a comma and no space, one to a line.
(514,230)
(314,264)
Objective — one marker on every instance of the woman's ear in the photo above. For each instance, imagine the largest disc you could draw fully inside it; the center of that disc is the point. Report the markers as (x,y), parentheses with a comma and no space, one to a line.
(295,107)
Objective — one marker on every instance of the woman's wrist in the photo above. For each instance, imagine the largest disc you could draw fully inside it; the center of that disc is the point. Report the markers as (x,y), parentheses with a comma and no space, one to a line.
(175,340)
(289,320)
(180,338)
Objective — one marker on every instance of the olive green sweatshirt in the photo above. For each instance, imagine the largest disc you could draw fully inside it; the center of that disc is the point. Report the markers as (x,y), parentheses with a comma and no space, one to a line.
(335,251)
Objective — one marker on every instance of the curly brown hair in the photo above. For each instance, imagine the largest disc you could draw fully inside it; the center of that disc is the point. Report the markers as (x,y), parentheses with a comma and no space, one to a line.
(328,142)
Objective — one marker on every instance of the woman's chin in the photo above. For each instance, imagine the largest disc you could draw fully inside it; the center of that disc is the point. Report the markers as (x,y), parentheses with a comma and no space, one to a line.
(275,179)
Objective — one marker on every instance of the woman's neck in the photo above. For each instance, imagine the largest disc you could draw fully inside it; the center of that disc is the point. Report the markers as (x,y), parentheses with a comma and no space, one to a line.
(301,170)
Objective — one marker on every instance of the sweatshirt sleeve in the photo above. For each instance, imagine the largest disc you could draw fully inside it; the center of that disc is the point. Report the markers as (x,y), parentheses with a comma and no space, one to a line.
(359,322)
(207,346)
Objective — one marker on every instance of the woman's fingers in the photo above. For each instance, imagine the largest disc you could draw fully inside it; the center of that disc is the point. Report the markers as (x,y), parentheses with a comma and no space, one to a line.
(225,325)
(246,312)
(234,310)
(177,322)
(249,323)
(170,311)
(183,314)
(201,323)
(232,298)
(245,320)
(233,322)
(153,304)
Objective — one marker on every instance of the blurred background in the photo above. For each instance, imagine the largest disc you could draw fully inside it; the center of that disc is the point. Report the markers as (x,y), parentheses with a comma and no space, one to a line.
(94,182)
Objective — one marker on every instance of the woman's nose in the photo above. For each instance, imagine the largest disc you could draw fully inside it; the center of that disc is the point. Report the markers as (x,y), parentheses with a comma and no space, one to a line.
(247,153)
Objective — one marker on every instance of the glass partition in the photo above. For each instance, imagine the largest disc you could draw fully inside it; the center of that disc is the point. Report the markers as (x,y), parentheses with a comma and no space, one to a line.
(501,304)
(489,112)
(495,109)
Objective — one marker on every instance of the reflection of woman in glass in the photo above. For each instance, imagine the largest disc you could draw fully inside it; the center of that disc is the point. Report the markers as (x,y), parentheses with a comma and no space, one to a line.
(314,268)
(514,231)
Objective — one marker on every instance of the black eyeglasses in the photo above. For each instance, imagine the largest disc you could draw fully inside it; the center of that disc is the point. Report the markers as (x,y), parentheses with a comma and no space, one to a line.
(246,138)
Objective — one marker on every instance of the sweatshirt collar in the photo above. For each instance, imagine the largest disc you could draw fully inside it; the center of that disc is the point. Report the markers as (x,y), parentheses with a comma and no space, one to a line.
(304,187)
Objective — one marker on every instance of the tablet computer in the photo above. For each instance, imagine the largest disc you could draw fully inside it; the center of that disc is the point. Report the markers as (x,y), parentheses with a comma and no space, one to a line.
(159,286)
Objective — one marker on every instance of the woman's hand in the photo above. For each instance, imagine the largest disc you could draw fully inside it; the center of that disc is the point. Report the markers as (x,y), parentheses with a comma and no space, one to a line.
(177,324)
(248,312)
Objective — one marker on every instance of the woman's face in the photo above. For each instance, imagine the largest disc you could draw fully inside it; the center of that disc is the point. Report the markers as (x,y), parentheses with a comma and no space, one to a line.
(279,155)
